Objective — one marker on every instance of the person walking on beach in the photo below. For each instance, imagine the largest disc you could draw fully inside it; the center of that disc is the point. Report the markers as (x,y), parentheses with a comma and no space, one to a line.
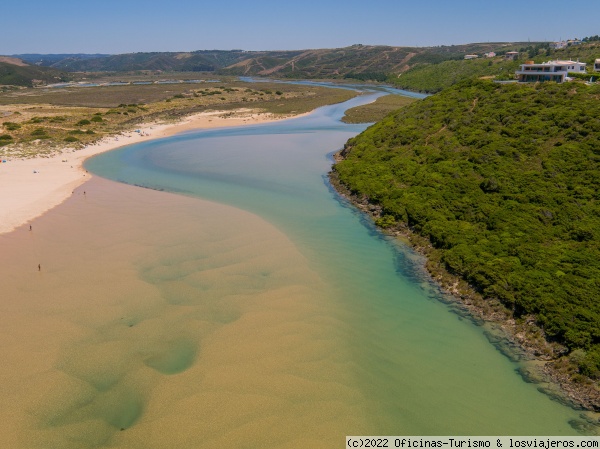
(39,267)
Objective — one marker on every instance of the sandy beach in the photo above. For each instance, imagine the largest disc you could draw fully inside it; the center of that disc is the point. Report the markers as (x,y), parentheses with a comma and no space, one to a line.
(33,186)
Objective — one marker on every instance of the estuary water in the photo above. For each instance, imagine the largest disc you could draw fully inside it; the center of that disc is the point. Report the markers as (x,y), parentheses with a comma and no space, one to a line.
(237,302)
(417,368)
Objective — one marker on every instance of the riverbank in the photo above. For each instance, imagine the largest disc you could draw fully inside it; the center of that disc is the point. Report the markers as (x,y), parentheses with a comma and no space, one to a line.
(520,340)
(35,185)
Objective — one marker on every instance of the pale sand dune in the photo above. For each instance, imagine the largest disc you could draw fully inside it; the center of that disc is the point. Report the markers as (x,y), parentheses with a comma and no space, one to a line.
(30,187)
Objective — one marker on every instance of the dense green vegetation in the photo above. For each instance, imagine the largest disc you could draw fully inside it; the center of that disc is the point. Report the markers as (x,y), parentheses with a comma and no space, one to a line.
(503,180)
(435,77)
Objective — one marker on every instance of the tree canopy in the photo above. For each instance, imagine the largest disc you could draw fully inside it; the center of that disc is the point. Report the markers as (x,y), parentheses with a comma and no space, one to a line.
(504,181)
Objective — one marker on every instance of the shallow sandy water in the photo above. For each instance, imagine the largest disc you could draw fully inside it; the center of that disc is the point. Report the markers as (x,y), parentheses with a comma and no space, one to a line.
(164,321)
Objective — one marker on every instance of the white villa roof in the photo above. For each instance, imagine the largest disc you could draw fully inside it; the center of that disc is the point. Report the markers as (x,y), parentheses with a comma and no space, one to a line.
(557,63)
(564,62)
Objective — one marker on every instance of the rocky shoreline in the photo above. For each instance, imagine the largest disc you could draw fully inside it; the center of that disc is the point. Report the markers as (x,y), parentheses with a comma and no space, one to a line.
(543,363)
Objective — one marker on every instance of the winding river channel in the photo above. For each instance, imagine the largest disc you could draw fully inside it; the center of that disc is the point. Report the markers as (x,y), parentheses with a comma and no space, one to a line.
(412,367)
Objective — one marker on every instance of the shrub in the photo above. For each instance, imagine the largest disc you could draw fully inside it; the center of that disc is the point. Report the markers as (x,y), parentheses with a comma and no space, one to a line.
(38,132)
(71,139)
(5,139)
(386,221)
(83,122)
(11,126)
(97,119)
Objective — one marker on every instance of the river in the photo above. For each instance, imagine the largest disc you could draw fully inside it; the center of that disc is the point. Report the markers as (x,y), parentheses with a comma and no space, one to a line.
(420,369)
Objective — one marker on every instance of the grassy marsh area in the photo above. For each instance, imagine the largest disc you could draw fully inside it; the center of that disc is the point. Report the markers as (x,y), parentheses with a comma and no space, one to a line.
(373,112)
(38,121)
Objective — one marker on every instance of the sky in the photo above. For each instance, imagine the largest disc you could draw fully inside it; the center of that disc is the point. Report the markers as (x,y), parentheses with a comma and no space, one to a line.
(112,27)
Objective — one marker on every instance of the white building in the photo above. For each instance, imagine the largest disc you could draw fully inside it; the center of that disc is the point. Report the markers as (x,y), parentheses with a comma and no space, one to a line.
(491,54)
(471,56)
(597,65)
(572,66)
(512,55)
(549,71)
(559,45)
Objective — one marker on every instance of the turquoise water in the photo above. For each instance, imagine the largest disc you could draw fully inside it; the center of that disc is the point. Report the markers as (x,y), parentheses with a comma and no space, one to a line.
(420,369)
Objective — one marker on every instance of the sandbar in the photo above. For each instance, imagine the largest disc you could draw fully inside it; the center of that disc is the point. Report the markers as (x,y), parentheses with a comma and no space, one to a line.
(31,187)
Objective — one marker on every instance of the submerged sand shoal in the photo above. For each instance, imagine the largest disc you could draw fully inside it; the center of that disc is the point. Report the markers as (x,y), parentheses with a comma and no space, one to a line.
(33,186)
(137,333)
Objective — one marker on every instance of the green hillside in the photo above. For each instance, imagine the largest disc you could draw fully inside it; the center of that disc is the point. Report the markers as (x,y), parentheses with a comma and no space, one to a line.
(373,61)
(17,75)
(433,78)
(430,74)
(503,181)
(361,62)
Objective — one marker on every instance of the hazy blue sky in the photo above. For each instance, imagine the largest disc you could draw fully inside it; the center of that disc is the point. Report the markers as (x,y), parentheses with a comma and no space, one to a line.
(107,26)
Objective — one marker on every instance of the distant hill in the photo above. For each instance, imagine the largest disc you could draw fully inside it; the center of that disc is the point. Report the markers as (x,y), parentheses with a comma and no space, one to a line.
(15,72)
(13,61)
(372,62)
(426,69)
(362,62)
(197,61)
(51,60)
